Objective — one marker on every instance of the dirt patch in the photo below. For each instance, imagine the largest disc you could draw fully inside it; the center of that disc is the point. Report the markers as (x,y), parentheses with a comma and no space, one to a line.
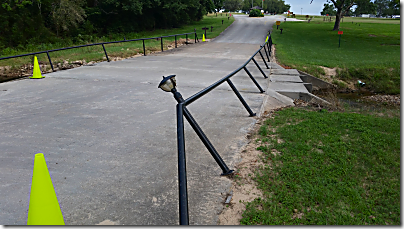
(372,35)
(329,72)
(244,187)
(393,100)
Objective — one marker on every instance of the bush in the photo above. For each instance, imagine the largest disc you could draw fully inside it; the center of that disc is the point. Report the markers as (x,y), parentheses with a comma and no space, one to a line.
(256,13)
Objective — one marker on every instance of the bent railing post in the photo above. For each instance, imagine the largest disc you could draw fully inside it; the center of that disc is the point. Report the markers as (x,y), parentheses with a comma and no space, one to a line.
(263,59)
(105,51)
(267,54)
(182,171)
(253,79)
(50,61)
(240,98)
(207,143)
(259,68)
(144,49)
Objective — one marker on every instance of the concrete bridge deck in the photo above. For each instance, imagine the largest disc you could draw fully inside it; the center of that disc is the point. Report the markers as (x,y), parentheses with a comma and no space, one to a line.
(109,134)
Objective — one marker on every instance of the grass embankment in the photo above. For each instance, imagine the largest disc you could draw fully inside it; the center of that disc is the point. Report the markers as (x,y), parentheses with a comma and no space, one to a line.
(370,50)
(329,168)
(317,18)
(126,49)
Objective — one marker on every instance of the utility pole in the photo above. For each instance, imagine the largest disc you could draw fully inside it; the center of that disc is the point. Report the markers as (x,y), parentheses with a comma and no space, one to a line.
(301,12)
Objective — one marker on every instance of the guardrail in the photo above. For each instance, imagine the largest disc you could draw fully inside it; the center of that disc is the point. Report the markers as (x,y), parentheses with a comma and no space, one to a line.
(168,84)
(104,43)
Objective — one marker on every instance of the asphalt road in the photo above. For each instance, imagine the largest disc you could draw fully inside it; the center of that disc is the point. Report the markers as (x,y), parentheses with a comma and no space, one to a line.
(109,134)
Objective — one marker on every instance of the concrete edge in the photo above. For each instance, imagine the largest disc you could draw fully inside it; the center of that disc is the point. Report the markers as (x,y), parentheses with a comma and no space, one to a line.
(316,82)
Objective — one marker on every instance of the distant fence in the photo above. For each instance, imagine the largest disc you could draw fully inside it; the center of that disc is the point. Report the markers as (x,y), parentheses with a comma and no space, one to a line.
(104,43)
(183,111)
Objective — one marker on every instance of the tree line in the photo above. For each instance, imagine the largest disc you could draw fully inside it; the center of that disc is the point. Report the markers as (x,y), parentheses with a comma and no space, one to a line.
(343,7)
(380,8)
(272,6)
(25,22)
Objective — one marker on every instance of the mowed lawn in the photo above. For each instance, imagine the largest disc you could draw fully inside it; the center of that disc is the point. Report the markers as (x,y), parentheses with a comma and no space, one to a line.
(96,53)
(328,168)
(369,51)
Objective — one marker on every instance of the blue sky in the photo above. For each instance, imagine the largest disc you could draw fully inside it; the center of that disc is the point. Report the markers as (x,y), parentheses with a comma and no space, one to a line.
(312,9)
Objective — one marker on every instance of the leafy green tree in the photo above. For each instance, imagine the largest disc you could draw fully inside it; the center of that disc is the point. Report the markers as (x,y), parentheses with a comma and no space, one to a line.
(387,7)
(232,5)
(342,6)
(67,14)
(218,4)
(329,9)
(365,7)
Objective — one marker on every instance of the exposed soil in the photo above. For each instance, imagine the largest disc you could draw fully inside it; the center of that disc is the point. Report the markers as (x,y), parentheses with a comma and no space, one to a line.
(244,187)
(393,100)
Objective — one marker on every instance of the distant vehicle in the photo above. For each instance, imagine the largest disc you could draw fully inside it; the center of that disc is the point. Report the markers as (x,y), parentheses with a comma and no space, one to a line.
(395,16)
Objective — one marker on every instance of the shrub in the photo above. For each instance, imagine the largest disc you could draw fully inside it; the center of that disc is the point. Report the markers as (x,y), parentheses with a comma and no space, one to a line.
(256,13)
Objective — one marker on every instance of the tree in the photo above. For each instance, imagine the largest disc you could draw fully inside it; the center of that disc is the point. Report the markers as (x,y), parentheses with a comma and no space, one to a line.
(387,7)
(365,7)
(272,6)
(218,4)
(67,14)
(232,5)
(329,9)
(342,6)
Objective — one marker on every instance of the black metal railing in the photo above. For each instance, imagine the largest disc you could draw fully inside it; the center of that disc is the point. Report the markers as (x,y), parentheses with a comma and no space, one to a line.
(183,111)
(104,43)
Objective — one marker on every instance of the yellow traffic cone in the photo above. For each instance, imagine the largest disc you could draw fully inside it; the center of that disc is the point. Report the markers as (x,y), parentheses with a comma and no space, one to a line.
(37,72)
(203,37)
(43,204)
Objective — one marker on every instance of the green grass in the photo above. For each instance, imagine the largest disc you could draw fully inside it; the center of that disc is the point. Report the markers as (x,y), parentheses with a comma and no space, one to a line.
(96,53)
(369,52)
(349,19)
(334,168)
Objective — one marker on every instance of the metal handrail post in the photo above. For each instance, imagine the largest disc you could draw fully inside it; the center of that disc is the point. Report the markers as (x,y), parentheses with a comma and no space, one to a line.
(105,51)
(207,143)
(162,44)
(253,79)
(263,59)
(266,53)
(175,37)
(186,39)
(144,49)
(50,61)
(265,76)
(182,171)
(240,98)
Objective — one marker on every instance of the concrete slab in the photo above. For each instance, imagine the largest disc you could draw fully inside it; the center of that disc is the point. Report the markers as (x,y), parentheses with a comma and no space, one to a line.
(284,72)
(286,78)
(285,86)
(109,134)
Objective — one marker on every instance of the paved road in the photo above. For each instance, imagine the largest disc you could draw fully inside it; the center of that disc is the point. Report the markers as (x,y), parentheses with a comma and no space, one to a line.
(109,134)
